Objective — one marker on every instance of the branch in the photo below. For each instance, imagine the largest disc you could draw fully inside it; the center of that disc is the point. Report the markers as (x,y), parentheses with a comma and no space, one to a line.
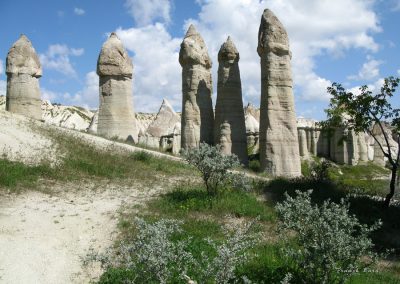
(398,149)
(389,154)
(379,143)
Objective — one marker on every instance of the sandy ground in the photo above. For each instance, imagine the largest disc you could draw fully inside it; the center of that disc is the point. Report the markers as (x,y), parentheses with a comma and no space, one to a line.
(19,142)
(43,237)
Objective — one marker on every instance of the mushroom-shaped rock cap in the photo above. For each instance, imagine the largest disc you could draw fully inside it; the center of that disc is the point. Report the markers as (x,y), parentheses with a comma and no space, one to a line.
(113,58)
(228,51)
(272,36)
(193,49)
(22,59)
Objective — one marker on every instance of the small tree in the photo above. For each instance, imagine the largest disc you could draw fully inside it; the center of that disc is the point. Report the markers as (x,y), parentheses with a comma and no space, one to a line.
(329,242)
(212,164)
(363,112)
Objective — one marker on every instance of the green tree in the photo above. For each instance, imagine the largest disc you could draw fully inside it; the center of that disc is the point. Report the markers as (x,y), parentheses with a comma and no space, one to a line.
(362,112)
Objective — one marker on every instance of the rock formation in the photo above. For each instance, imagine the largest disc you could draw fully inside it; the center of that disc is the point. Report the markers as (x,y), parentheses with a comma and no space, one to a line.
(23,72)
(251,109)
(229,125)
(279,147)
(197,111)
(252,133)
(116,116)
(71,117)
(163,125)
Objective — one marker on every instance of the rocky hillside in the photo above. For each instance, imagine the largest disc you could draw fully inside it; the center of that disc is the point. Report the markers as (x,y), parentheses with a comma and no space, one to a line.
(78,118)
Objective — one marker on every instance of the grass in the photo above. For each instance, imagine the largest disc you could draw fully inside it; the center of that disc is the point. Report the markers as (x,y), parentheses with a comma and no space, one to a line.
(204,216)
(82,161)
(16,174)
(370,178)
(186,200)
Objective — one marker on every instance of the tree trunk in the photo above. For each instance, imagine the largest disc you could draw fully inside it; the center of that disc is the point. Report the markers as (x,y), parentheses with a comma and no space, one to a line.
(392,186)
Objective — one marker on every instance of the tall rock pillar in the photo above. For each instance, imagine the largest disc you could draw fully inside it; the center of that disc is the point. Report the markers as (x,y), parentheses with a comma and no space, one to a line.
(116,115)
(23,72)
(279,147)
(197,111)
(229,125)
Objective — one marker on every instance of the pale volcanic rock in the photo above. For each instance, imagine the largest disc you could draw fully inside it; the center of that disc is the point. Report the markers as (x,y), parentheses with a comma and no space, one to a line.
(197,111)
(251,109)
(362,147)
(279,147)
(164,122)
(71,117)
(23,71)
(92,128)
(162,125)
(229,125)
(252,133)
(116,115)
(303,149)
(176,146)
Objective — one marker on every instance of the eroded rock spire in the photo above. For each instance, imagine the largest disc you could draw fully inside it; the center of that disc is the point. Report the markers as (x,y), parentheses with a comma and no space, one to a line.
(23,71)
(279,148)
(115,68)
(197,112)
(230,129)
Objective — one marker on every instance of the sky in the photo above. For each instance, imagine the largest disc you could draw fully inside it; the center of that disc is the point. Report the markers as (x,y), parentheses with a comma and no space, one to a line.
(353,42)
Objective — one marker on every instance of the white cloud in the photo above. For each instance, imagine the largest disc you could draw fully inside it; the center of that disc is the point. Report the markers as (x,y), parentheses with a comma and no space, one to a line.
(145,12)
(157,73)
(395,5)
(315,28)
(88,97)
(368,71)
(57,57)
(1,67)
(373,87)
(398,72)
(3,88)
(79,11)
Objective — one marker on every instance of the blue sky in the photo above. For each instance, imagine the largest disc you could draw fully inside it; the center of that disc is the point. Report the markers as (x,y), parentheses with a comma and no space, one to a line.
(354,42)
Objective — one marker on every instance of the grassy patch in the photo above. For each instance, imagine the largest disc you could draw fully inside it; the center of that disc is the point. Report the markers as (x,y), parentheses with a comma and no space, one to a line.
(184,200)
(13,174)
(369,179)
(83,160)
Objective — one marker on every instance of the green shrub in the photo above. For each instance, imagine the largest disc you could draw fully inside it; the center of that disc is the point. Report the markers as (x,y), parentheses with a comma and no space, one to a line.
(160,253)
(212,164)
(329,242)
(255,166)
(142,156)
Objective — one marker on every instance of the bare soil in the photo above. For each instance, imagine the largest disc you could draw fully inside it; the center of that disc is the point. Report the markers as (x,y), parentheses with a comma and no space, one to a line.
(44,236)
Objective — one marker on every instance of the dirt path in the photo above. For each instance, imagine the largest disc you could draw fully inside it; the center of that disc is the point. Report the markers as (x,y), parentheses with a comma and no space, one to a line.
(43,236)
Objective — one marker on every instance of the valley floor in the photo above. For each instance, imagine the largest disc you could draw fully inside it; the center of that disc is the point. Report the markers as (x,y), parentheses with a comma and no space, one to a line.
(43,237)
